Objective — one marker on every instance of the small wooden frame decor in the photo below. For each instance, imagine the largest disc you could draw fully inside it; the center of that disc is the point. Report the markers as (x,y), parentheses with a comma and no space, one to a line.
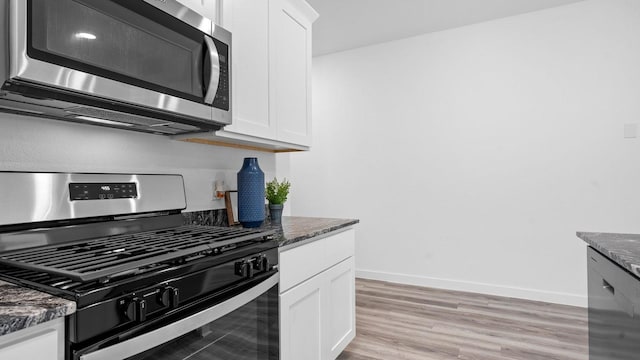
(231,203)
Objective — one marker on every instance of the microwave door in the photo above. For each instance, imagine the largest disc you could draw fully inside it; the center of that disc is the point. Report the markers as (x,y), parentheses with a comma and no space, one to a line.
(125,50)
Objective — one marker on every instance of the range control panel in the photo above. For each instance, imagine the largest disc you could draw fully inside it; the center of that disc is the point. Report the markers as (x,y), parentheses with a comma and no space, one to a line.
(102,191)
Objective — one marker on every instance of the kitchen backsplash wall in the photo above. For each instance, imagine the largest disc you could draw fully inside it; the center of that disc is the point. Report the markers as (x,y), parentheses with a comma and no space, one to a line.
(35,144)
(217,217)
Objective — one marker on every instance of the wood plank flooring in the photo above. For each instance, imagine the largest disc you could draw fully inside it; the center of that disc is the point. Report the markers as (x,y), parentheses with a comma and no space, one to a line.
(416,323)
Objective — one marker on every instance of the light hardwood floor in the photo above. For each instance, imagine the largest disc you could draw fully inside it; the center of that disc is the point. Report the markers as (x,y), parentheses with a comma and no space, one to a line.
(409,322)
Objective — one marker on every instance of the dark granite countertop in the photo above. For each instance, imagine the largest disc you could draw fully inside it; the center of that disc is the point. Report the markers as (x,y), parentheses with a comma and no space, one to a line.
(623,249)
(21,307)
(296,229)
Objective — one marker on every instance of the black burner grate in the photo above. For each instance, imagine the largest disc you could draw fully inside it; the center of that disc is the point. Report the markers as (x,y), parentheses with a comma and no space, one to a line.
(99,258)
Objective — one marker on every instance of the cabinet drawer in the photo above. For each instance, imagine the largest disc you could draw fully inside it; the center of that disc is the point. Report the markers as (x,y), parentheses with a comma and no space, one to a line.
(303,262)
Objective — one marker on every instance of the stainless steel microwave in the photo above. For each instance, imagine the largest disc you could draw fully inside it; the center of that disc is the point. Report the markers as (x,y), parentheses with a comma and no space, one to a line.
(146,65)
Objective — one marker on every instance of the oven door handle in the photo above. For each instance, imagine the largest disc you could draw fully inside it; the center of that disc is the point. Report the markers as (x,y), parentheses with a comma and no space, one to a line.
(214,77)
(174,330)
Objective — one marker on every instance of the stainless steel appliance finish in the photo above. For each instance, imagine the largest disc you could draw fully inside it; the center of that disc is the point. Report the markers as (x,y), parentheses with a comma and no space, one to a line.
(614,310)
(46,196)
(41,236)
(48,89)
(146,285)
(179,11)
(215,66)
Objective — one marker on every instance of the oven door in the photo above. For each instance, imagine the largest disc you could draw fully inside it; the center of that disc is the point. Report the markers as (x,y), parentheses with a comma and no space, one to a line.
(244,327)
(159,55)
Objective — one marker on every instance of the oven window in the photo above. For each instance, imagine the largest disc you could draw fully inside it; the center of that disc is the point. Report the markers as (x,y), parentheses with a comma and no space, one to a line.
(249,333)
(131,42)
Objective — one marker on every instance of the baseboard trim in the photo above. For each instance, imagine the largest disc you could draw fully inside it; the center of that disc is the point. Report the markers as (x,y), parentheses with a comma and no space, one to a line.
(474,287)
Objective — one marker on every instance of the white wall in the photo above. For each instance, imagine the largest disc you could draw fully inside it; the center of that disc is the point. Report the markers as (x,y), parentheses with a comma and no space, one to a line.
(34,144)
(472,156)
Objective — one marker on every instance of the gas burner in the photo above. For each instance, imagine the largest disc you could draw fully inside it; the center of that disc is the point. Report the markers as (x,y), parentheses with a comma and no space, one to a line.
(113,256)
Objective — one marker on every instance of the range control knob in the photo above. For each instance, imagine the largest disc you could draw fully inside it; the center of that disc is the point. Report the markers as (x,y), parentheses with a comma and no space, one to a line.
(135,309)
(129,309)
(261,263)
(142,310)
(241,268)
(244,268)
(169,296)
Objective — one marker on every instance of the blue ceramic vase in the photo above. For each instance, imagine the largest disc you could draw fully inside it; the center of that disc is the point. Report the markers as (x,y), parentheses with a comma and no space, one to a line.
(250,194)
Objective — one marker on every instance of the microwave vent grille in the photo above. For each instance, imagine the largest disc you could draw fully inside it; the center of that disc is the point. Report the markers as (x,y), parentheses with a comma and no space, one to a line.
(114,115)
(147,123)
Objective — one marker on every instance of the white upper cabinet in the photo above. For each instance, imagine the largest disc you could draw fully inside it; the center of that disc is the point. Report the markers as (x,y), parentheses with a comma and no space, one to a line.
(271,72)
(290,69)
(248,22)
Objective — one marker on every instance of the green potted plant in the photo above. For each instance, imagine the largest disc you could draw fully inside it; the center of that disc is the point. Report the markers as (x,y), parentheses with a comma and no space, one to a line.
(276,193)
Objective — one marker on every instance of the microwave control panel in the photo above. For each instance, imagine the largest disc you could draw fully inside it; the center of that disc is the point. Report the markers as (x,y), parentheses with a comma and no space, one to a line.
(222,98)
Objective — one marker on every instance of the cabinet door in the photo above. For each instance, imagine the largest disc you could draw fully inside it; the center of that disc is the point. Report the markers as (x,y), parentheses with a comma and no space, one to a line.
(290,69)
(43,346)
(301,314)
(340,305)
(248,21)
(318,316)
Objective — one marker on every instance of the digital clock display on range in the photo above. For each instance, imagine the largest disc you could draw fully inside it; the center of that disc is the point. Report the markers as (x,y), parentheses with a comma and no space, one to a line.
(102,191)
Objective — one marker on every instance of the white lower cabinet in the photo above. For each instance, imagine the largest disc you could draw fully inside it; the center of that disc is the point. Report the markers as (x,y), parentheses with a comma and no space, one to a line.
(41,342)
(300,322)
(340,320)
(317,299)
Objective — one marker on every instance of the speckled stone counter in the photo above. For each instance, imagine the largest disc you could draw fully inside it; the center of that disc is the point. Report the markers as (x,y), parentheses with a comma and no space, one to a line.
(294,229)
(623,249)
(22,307)
(297,229)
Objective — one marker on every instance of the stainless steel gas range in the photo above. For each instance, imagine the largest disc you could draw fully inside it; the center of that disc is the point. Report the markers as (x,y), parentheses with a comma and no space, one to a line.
(146,286)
